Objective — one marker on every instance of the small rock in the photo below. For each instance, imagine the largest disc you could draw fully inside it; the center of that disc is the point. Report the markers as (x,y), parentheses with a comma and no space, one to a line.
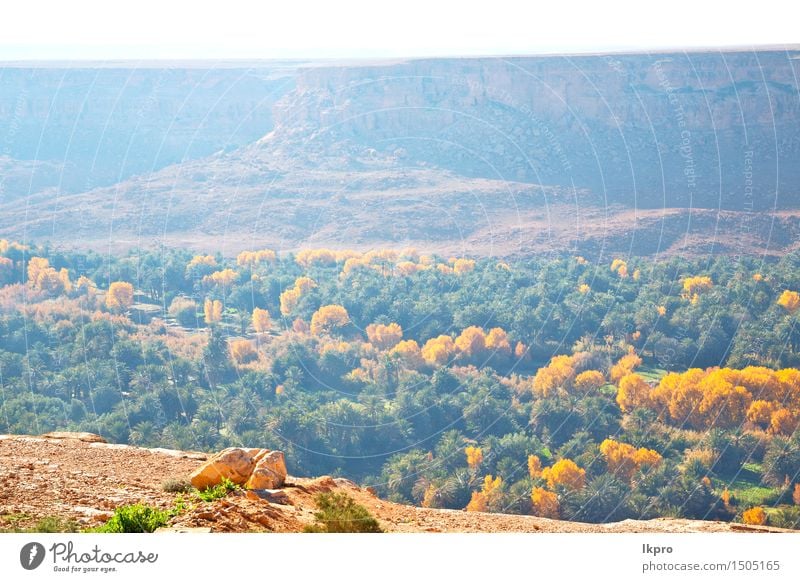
(86,437)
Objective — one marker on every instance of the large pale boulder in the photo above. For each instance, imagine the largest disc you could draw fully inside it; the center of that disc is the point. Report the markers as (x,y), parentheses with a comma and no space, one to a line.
(269,472)
(232,463)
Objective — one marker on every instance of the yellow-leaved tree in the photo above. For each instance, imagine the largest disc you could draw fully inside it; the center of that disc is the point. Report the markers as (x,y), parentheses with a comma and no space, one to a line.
(384,337)
(545,503)
(474,456)
(120,296)
(261,320)
(566,473)
(212,311)
(437,351)
(328,319)
(789,300)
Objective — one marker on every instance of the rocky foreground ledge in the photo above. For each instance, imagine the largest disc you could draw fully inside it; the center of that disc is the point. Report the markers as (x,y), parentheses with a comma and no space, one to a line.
(79,476)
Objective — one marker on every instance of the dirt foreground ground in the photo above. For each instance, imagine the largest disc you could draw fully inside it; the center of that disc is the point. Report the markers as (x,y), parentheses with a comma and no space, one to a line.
(76,476)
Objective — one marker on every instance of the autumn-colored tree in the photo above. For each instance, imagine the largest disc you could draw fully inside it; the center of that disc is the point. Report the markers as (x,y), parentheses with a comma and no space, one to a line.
(755,516)
(760,413)
(212,310)
(85,286)
(626,365)
(206,260)
(623,460)
(261,320)
(289,300)
(783,422)
(557,375)
(43,277)
(120,296)
(409,353)
(724,405)
(461,266)
(520,351)
(308,257)
(589,381)
(222,278)
(254,258)
(534,466)
(478,502)
(693,287)
(789,300)
(661,310)
(438,351)
(474,457)
(472,342)
(497,342)
(329,319)
(796,494)
(290,297)
(545,503)
(633,392)
(242,351)
(384,337)
(583,288)
(565,472)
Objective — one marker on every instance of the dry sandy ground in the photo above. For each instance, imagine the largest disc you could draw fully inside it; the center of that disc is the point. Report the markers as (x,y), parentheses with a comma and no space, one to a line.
(74,478)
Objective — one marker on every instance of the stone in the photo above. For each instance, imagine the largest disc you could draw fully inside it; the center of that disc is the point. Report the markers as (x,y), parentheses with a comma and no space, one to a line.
(86,437)
(232,463)
(269,472)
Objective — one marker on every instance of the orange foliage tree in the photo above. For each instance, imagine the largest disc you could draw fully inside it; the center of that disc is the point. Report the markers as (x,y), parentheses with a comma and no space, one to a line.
(254,258)
(43,277)
(242,351)
(623,460)
(557,375)
(789,300)
(471,342)
(633,393)
(409,353)
(497,342)
(589,381)
(474,456)
(212,310)
(626,365)
(755,516)
(384,337)
(120,296)
(545,503)
(329,319)
(438,351)
(564,472)
(261,320)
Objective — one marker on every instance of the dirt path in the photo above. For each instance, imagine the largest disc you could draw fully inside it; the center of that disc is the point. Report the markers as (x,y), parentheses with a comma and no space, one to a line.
(75,478)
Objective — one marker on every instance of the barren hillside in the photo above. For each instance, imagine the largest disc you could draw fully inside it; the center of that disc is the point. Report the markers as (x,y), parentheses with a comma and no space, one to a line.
(79,477)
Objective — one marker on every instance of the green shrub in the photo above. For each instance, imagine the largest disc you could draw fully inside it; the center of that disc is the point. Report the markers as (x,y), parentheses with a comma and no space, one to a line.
(218,491)
(137,518)
(339,513)
(47,525)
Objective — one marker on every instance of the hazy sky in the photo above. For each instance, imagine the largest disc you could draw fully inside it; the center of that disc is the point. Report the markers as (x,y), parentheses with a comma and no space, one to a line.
(105,29)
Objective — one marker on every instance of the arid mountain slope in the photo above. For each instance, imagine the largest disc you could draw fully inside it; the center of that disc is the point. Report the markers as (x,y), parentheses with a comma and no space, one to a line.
(83,480)
(642,153)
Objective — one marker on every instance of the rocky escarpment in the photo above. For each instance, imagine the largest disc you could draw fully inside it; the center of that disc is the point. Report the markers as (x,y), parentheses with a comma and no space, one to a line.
(708,129)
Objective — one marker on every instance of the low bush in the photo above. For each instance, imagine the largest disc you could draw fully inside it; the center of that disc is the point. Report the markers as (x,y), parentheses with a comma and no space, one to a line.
(339,513)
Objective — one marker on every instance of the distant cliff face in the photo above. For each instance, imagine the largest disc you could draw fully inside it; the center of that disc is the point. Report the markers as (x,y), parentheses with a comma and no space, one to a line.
(696,129)
(103,124)
(519,155)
